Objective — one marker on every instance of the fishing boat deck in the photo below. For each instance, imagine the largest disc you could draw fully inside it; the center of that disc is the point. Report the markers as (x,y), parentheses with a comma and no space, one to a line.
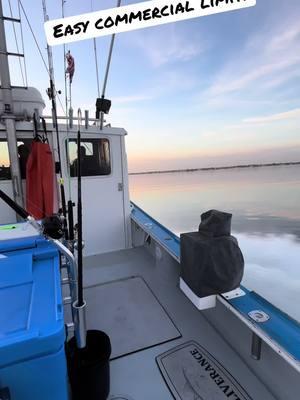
(136,375)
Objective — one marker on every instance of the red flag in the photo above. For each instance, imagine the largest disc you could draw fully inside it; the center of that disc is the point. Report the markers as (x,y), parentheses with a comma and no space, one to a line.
(71,65)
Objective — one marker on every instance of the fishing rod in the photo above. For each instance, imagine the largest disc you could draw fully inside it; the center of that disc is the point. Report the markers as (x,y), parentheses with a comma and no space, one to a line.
(88,355)
(79,214)
(70,202)
(52,95)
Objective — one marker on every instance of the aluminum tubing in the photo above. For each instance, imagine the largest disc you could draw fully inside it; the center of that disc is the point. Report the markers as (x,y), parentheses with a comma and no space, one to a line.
(80,324)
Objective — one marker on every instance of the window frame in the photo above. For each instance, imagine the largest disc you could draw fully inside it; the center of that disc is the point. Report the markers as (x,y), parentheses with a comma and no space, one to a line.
(89,138)
(3,139)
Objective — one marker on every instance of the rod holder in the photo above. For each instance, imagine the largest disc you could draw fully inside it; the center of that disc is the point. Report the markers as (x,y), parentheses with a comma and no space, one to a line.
(53,118)
(67,300)
(86,119)
(256,347)
(70,326)
(80,324)
(65,281)
(71,118)
(71,266)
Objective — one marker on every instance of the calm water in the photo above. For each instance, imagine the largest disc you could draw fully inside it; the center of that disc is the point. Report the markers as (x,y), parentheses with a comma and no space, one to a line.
(265,203)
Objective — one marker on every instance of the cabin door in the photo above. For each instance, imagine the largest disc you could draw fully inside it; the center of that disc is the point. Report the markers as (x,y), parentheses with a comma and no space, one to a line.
(104,225)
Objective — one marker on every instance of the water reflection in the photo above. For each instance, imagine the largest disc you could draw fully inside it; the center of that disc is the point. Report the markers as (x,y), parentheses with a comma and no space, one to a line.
(272,269)
(266,219)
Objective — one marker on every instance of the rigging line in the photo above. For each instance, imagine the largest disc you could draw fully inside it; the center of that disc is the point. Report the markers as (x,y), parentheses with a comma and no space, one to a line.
(38,47)
(96,59)
(16,40)
(109,58)
(34,37)
(96,64)
(22,41)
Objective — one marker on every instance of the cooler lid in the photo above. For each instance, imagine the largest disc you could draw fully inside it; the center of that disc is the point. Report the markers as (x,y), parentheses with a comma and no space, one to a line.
(31,318)
(17,236)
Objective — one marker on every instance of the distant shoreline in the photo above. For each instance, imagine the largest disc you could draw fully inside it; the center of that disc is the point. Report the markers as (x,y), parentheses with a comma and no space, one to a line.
(171,171)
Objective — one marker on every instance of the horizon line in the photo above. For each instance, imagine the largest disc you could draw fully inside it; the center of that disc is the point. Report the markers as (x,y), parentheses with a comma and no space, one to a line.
(170,171)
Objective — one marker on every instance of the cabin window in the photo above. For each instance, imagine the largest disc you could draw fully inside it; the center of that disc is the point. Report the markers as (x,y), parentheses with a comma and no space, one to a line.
(23,153)
(95,157)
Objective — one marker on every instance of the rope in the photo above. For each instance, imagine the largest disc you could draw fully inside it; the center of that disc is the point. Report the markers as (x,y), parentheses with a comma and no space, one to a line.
(39,49)
(16,40)
(34,37)
(22,40)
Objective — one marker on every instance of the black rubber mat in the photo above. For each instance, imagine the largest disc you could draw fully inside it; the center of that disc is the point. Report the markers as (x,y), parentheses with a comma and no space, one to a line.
(192,373)
(130,314)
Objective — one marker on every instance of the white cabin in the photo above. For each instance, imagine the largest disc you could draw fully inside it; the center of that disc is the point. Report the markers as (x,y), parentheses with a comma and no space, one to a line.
(106,213)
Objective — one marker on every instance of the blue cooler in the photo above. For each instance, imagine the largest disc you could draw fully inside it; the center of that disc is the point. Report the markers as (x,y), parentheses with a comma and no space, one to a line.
(32,333)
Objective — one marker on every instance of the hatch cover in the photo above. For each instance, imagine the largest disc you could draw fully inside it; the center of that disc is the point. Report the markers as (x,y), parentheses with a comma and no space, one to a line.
(128,311)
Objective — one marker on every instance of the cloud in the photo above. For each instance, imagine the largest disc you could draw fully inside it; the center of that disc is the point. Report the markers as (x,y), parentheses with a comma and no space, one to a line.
(267,60)
(167,45)
(292,114)
(281,78)
(288,36)
(131,99)
(248,77)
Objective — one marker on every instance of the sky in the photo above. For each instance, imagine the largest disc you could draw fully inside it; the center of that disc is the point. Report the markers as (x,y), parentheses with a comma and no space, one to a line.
(212,91)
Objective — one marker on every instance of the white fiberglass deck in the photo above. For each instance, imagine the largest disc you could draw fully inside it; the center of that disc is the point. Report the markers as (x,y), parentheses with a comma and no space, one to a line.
(137,376)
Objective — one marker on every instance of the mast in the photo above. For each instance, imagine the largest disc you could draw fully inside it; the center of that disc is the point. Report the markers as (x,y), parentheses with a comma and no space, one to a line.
(8,115)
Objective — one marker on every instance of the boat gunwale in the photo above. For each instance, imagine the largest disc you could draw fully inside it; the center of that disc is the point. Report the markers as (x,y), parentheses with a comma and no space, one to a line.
(274,334)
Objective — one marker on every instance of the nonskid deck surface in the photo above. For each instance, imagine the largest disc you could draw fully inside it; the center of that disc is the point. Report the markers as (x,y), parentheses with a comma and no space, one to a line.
(137,375)
(132,316)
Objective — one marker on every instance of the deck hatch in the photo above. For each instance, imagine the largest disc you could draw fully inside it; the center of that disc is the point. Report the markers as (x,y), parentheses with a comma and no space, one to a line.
(130,314)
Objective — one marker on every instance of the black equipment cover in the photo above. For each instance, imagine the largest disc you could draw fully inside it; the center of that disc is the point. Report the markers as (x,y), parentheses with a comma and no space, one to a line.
(211,260)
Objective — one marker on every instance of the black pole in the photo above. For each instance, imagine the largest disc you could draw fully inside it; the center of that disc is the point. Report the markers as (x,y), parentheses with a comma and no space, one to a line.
(79,221)
(61,183)
(11,203)
(64,209)
(88,359)
(71,220)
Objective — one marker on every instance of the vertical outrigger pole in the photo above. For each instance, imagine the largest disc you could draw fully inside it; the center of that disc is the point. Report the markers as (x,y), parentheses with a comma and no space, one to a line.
(8,116)
(112,41)
(52,95)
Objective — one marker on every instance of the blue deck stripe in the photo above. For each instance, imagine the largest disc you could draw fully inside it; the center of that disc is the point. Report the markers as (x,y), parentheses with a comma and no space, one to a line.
(280,327)
(158,231)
